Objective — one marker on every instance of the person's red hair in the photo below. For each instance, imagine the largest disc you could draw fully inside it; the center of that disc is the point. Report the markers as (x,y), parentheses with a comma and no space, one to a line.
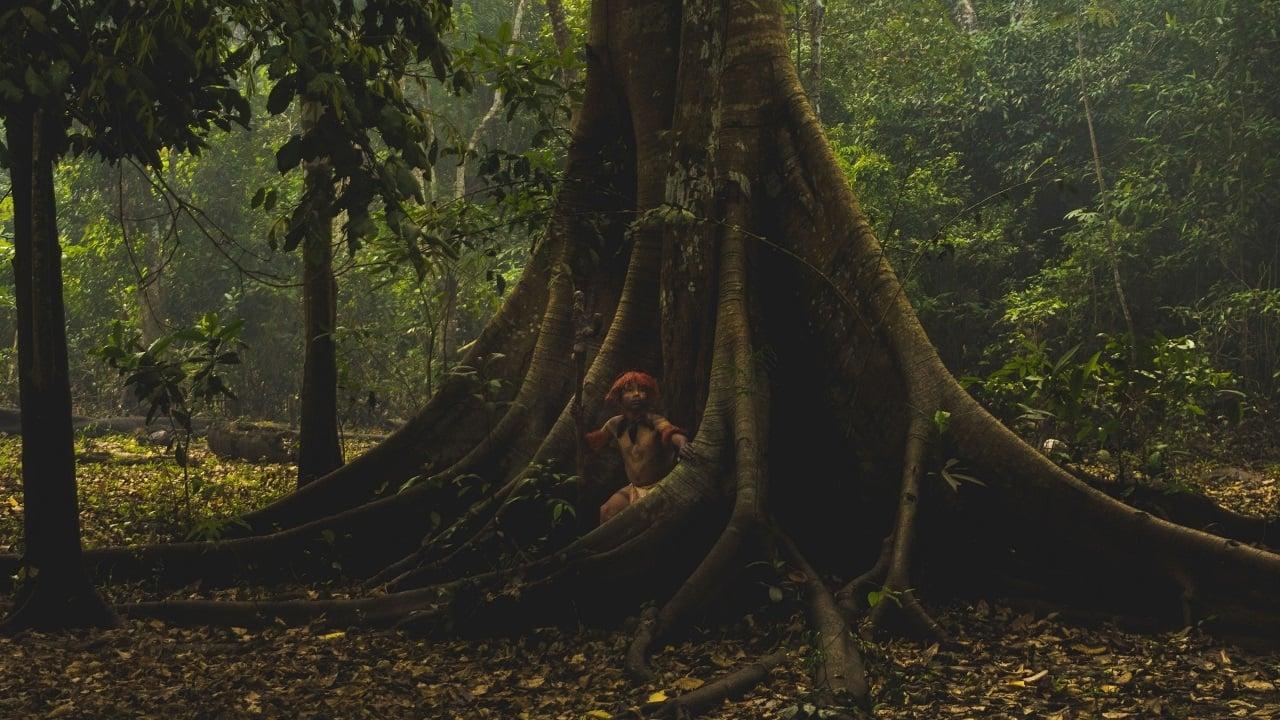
(644,381)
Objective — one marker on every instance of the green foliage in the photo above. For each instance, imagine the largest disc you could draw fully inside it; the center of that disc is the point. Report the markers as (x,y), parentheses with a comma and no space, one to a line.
(175,373)
(951,475)
(875,597)
(538,514)
(941,421)
(347,64)
(1172,397)
(131,493)
(178,369)
(970,154)
(116,67)
(159,246)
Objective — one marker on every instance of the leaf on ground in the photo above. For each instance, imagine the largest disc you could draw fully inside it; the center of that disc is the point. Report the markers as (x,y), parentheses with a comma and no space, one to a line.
(1035,677)
(687,684)
(1259,685)
(929,653)
(1090,650)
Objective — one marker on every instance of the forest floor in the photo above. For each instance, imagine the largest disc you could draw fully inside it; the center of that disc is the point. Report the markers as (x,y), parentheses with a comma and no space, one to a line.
(1001,662)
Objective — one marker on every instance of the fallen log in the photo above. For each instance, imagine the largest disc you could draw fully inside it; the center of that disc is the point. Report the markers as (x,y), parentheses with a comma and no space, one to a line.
(11,424)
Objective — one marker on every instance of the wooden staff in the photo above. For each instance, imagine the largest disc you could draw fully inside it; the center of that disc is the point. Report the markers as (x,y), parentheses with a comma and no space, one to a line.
(584,329)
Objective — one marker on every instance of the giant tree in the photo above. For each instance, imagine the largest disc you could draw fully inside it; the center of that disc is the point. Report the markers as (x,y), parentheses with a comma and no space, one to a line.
(108,77)
(704,217)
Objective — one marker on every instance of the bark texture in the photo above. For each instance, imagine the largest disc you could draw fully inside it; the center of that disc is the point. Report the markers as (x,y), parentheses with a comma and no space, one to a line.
(55,592)
(319,447)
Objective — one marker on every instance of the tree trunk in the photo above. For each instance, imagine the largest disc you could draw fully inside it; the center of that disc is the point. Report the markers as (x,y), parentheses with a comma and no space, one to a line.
(965,15)
(1113,256)
(705,218)
(559,25)
(55,592)
(817,15)
(495,105)
(319,447)
(139,220)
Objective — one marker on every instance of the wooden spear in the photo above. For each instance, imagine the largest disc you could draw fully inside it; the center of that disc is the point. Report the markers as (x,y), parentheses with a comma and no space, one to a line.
(585,328)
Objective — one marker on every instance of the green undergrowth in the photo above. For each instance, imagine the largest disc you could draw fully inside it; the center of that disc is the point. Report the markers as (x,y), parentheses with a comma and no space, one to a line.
(133,493)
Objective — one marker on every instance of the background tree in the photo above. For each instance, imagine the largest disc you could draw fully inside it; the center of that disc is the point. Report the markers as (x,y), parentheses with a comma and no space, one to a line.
(214,258)
(108,68)
(346,65)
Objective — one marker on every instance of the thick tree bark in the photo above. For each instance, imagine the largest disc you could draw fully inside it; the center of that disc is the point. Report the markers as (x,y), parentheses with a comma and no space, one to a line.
(55,592)
(696,132)
(319,447)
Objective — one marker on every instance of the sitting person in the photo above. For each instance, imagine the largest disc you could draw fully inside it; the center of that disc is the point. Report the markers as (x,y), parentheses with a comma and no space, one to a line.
(649,442)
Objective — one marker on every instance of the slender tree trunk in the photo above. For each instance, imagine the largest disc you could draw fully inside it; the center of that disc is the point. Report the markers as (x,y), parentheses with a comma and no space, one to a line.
(147,227)
(560,33)
(1113,255)
(817,16)
(319,447)
(965,15)
(143,239)
(460,178)
(55,592)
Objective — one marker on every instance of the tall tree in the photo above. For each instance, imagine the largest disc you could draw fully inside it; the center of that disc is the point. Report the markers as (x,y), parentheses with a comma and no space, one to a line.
(510,34)
(817,15)
(56,591)
(108,66)
(361,139)
(319,445)
(704,215)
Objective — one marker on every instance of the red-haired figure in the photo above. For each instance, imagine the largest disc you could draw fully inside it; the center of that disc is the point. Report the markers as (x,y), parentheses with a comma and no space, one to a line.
(649,442)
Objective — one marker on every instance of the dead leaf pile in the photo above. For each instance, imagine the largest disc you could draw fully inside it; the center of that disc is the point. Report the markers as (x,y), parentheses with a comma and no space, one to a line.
(1000,663)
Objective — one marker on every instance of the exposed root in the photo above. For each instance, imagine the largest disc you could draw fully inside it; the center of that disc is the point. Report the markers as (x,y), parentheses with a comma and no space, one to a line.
(738,391)
(635,311)
(395,570)
(721,561)
(1194,511)
(492,603)
(545,385)
(441,432)
(1236,585)
(900,603)
(703,163)
(726,687)
(1188,598)
(637,660)
(839,673)
(597,192)
(381,611)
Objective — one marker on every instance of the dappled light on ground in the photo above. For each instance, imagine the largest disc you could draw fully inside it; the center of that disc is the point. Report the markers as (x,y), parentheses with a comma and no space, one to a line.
(1001,662)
